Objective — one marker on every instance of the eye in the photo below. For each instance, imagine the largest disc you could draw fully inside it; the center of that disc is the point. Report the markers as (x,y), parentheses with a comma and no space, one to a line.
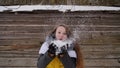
(64,33)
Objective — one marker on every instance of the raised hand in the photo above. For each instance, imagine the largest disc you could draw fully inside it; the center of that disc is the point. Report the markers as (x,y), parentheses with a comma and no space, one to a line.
(52,49)
(63,51)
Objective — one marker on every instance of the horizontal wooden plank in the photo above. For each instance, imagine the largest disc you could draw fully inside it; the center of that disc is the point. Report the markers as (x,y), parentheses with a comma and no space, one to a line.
(33,61)
(101,62)
(18,47)
(83,39)
(22,38)
(19,54)
(107,48)
(86,55)
(68,21)
(25,29)
(82,35)
(93,48)
(4,29)
(59,14)
(101,55)
(18,61)
(39,29)
(20,35)
(66,17)
(95,28)
(102,66)
(25,51)
(65,21)
(98,37)
(23,41)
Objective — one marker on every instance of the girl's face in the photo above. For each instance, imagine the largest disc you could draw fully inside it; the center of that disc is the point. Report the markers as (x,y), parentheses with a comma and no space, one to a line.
(60,33)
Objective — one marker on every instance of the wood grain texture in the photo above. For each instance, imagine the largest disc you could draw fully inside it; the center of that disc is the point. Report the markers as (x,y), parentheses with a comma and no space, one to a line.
(22,34)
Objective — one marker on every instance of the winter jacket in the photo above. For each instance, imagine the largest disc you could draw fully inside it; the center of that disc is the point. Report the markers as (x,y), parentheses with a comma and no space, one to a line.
(44,60)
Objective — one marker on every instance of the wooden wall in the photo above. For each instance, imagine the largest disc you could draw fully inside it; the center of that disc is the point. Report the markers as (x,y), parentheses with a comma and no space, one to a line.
(22,33)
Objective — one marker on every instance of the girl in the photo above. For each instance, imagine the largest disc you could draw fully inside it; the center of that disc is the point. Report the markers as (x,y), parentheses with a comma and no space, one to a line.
(67,58)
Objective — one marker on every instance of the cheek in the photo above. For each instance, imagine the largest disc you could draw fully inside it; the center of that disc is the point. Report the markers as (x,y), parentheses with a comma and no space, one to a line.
(65,37)
(56,35)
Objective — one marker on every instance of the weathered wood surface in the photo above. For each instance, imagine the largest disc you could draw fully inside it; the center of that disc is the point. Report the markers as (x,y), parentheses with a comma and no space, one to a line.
(98,33)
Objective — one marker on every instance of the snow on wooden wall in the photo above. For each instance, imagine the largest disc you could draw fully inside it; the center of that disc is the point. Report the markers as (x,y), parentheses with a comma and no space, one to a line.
(22,33)
(61,2)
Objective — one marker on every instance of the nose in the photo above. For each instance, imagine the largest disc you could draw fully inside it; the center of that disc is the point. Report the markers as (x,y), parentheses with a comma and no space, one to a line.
(61,37)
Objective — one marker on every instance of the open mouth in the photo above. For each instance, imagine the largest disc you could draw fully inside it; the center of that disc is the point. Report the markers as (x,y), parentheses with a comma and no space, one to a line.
(61,39)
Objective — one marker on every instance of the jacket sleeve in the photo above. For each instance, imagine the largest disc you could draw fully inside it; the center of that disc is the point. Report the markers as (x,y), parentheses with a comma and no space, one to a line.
(44,60)
(68,61)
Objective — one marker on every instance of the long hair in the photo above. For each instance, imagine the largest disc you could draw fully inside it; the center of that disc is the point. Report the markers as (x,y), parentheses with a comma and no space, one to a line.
(79,60)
